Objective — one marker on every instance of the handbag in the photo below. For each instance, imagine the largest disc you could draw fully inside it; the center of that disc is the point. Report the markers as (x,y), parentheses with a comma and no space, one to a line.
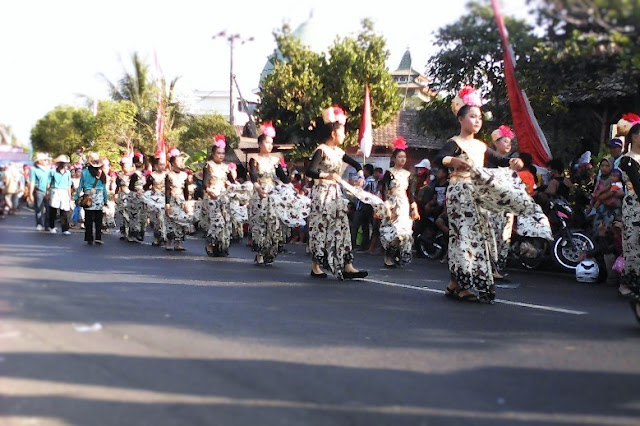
(86,199)
(618,265)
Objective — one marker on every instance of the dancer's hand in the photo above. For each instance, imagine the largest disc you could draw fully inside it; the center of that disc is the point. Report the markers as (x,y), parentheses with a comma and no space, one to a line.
(336,177)
(459,164)
(516,164)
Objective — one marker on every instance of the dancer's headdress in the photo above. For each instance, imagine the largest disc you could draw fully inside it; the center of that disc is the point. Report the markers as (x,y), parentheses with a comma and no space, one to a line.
(334,114)
(466,96)
(503,131)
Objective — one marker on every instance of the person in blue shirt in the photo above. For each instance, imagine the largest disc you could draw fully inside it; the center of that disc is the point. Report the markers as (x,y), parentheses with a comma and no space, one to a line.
(38,183)
(60,195)
(94,181)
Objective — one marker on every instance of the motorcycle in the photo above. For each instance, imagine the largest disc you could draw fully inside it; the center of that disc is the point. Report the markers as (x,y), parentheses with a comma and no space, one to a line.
(432,243)
(566,248)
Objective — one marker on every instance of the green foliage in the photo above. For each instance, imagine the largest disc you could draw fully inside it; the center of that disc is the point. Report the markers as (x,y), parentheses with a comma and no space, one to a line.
(471,53)
(63,130)
(199,130)
(303,83)
(139,88)
(584,69)
(115,128)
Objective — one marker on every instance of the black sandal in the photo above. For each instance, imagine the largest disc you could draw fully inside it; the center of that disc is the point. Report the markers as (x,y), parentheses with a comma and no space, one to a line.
(450,293)
(320,275)
(351,275)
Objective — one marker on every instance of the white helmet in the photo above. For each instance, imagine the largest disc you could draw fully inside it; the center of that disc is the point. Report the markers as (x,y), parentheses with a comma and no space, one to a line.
(587,271)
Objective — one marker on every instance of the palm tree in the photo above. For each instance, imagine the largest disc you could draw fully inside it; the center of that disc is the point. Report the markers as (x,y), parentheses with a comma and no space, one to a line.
(139,88)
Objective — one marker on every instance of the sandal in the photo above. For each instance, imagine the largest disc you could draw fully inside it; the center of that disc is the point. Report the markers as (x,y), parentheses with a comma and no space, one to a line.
(450,293)
(469,297)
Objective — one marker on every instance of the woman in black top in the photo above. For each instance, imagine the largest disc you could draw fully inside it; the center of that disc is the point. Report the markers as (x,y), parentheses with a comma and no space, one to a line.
(329,233)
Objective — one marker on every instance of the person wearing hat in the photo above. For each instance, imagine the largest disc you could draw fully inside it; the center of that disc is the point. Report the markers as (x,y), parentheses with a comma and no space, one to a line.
(60,195)
(93,181)
(615,149)
(38,184)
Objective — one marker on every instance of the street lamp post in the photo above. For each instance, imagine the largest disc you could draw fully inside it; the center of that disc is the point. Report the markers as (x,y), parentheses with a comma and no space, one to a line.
(231,38)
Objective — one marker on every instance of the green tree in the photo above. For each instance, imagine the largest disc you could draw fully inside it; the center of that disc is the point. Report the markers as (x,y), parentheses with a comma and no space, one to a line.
(63,130)
(115,128)
(292,96)
(199,130)
(303,83)
(471,53)
(139,88)
(588,64)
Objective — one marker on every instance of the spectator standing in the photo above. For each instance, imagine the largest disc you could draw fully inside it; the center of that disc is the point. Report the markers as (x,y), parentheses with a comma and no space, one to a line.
(60,195)
(363,215)
(11,180)
(93,181)
(38,183)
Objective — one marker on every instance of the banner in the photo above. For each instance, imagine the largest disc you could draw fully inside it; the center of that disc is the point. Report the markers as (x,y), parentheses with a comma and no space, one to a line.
(365,134)
(530,137)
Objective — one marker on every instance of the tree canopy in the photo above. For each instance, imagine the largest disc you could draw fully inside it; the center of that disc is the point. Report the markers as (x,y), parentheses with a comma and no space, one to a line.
(303,83)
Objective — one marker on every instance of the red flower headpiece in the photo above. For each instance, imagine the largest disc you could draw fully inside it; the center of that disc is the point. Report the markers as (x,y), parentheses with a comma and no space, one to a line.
(138,155)
(466,96)
(631,118)
(160,154)
(174,152)
(268,129)
(334,114)
(233,167)
(219,141)
(503,131)
(400,143)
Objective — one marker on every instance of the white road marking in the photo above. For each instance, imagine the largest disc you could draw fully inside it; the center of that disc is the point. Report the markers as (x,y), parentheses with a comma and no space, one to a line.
(504,302)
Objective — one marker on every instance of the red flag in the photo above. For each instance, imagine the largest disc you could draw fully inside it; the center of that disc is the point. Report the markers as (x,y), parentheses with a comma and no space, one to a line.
(160,130)
(528,131)
(365,134)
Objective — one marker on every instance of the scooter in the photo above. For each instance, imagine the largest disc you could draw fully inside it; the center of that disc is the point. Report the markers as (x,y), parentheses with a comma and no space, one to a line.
(566,249)
(432,243)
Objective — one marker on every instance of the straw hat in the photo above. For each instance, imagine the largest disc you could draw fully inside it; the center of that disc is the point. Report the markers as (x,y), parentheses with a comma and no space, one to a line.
(61,159)
(94,160)
(41,156)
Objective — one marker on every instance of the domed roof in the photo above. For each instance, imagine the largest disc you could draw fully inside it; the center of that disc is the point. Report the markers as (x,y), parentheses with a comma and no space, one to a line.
(310,33)
(314,35)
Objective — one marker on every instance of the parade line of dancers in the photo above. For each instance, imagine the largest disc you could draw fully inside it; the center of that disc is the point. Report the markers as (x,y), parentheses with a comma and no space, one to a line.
(484,193)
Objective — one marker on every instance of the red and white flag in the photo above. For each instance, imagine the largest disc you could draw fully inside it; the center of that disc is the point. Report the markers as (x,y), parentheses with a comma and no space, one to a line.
(365,134)
(160,129)
(528,131)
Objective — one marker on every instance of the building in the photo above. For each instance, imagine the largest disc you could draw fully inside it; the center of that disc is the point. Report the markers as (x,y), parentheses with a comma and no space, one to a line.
(217,102)
(414,87)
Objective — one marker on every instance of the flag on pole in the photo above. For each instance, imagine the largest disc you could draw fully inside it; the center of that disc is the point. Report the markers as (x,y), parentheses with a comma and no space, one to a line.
(365,134)
(528,131)
(160,129)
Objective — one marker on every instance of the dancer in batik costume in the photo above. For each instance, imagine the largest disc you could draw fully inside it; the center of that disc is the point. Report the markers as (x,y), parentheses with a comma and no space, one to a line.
(501,224)
(154,198)
(630,165)
(217,177)
(329,233)
(138,216)
(396,230)
(267,231)
(122,194)
(469,256)
(179,216)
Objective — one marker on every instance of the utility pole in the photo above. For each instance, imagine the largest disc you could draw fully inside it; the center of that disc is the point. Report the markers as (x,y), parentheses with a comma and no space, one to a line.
(231,38)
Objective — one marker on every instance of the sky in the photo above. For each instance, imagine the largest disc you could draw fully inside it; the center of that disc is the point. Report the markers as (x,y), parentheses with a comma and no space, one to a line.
(60,52)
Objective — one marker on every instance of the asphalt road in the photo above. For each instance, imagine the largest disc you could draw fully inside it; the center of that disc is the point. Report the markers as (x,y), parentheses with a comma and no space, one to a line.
(129,334)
